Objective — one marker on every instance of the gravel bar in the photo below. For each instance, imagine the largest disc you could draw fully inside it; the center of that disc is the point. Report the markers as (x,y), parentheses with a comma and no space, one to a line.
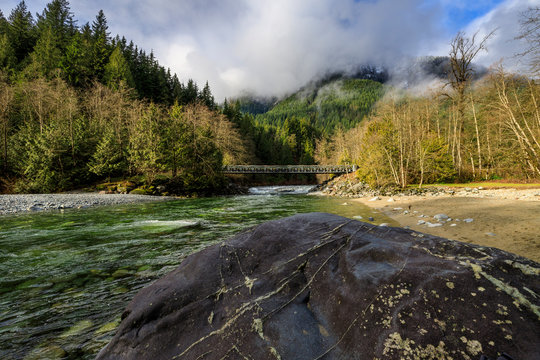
(12,204)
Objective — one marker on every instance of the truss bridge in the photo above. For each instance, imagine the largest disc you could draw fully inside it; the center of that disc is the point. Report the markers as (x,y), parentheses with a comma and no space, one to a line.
(288,169)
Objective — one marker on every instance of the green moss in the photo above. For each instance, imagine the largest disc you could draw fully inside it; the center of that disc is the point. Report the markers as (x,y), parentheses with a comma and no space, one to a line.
(108,327)
(77,328)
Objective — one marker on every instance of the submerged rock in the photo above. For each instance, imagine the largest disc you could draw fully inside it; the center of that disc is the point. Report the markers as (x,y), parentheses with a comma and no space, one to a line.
(319,286)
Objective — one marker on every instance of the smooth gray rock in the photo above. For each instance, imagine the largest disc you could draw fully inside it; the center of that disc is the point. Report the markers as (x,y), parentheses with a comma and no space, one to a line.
(441,217)
(319,286)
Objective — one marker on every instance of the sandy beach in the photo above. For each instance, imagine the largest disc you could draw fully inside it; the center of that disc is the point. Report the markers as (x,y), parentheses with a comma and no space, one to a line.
(507,219)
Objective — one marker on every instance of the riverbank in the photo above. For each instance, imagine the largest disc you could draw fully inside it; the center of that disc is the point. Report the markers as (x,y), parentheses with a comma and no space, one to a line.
(505,219)
(12,204)
(505,216)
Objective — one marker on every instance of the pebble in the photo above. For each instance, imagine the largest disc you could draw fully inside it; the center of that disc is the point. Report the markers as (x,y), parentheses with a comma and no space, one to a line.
(490,234)
(358,217)
(371,219)
(11,204)
(405,212)
(468,220)
(375,198)
(391,200)
(384,224)
(421,222)
(398,208)
(431,225)
(453,224)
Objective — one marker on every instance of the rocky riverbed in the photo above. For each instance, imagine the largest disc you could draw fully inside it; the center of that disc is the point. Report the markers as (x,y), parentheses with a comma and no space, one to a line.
(505,218)
(349,186)
(11,204)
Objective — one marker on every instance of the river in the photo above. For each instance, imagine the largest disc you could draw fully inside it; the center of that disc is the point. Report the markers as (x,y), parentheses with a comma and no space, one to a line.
(65,277)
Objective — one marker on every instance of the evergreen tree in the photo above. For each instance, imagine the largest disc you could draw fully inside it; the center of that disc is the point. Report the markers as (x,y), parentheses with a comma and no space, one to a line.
(145,143)
(206,97)
(117,71)
(100,42)
(190,93)
(108,159)
(4,24)
(7,55)
(58,18)
(76,63)
(46,56)
(21,31)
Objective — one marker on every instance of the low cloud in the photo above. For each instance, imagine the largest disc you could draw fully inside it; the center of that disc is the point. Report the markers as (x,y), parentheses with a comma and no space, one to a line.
(274,47)
(503,47)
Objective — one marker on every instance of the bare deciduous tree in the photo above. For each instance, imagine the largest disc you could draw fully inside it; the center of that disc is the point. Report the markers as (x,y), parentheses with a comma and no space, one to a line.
(530,32)
(461,73)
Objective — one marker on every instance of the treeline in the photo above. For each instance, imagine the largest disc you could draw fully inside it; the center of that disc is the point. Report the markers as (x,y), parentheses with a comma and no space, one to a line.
(53,46)
(339,104)
(489,131)
(78,107)
(54,138)
(291,142)
(466,130)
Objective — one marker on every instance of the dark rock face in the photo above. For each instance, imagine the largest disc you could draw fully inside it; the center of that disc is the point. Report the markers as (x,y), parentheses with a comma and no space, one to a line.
(319,286)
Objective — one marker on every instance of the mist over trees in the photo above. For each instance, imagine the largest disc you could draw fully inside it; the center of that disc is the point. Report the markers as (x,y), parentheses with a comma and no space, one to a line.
(468,130)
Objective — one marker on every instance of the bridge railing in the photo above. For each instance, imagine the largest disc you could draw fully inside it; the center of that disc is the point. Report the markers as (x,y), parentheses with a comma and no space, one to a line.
(288,169)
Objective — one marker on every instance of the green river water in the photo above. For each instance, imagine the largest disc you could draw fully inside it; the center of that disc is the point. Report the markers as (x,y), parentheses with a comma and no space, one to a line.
(65,277)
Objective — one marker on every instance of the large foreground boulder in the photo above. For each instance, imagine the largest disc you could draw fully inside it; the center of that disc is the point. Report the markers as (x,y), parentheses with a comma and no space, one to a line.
(320,286)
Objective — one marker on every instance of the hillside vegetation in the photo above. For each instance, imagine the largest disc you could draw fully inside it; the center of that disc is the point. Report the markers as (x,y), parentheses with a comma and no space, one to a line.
(77,106)
(338,104)
(465,130)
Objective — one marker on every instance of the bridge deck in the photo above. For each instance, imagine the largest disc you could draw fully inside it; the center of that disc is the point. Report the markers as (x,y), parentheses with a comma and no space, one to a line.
(288,169)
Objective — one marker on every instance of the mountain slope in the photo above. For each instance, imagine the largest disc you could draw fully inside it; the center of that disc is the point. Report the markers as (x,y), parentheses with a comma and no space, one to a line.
(339,103)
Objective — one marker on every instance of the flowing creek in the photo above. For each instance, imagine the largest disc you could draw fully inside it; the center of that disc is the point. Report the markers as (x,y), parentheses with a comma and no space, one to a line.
(65,277)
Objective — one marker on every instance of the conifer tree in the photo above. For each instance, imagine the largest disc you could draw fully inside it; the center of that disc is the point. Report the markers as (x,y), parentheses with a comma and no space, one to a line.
(76,65)
(206,97)
(46,56)
(117,71)
(58,17)
(100,42)
(190,93)
(7,55)
(21,31)
(4,24)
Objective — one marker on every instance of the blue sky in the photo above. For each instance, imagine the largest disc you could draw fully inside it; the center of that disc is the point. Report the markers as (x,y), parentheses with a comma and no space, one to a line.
(460,13)
(275,46)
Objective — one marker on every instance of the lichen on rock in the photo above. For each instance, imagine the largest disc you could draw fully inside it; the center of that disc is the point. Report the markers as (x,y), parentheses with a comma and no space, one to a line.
(319,286)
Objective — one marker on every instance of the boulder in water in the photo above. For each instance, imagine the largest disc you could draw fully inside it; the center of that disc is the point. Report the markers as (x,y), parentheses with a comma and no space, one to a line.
(320,286)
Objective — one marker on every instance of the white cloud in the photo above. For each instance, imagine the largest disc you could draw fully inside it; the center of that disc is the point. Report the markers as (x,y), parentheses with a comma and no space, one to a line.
(503,46)
(275,46)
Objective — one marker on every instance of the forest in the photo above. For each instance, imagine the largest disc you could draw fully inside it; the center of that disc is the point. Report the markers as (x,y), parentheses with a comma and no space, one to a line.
(463,130)
(79,107)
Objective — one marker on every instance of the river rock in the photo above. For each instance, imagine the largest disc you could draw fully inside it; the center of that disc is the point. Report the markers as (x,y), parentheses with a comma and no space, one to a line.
(320,286)
(441,217)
